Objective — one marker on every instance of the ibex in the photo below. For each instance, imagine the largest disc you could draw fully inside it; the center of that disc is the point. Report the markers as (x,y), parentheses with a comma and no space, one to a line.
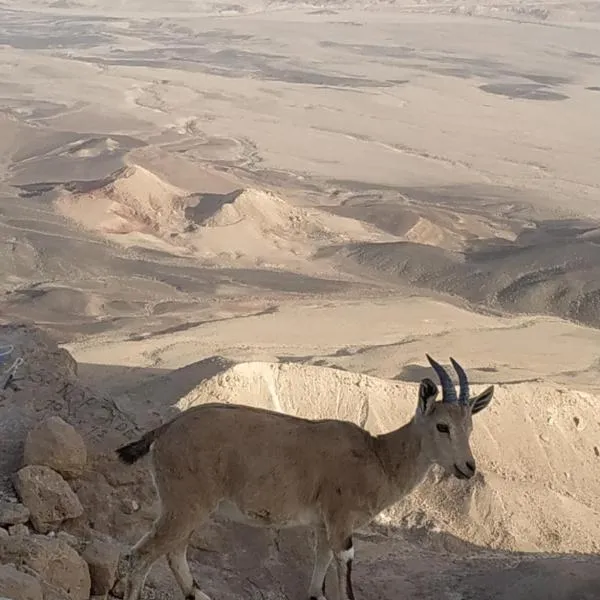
(269,469)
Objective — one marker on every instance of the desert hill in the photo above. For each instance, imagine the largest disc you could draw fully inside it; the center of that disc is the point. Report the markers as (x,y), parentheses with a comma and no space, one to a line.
(132,200)
(545,270)
(542,269)
(136,207)
(452,227)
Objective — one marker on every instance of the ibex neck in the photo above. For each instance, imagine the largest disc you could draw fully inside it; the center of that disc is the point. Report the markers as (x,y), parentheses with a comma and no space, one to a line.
(403,459)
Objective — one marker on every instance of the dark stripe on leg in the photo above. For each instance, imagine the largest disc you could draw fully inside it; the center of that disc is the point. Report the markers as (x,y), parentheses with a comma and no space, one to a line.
(192,595)
(349,591)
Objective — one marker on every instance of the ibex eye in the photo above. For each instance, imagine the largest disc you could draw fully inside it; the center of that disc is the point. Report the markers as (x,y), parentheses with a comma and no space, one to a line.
(443,428)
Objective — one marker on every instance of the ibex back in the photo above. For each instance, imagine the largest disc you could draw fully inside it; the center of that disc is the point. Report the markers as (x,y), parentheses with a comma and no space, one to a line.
(269,469)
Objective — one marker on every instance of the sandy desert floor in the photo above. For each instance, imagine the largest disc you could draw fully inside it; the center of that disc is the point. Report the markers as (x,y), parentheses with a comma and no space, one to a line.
(318,195)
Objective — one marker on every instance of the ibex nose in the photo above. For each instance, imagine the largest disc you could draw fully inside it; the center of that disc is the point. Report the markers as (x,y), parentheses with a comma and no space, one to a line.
(466,470)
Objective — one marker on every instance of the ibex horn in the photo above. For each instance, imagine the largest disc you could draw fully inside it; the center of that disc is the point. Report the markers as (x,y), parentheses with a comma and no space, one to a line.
(463,382)
(448,391)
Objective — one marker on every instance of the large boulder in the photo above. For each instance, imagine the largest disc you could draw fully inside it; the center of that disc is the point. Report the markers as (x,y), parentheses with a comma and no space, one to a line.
(48,497)
(48,386)
(16,585)
(54,561)
(56,444)
(102,558)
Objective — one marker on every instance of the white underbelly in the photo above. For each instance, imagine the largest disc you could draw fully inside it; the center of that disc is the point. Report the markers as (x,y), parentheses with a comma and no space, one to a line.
(264,518)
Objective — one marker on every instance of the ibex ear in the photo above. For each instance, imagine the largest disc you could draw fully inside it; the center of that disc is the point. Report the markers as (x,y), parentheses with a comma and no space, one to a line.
(480,401)
(427,394)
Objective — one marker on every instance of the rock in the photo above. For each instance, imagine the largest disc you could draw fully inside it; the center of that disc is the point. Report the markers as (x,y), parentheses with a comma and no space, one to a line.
(18,530)
(13,513)
(129,506)
(56,444)
(70,539)
(48,497)
(56,563)
(68,362)
(3,533)
(16,585)
(102,559)
(53,593)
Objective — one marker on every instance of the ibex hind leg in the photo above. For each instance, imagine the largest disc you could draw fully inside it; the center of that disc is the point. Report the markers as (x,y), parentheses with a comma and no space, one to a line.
(169,535)
(322,560)
(343,552)
(181,571)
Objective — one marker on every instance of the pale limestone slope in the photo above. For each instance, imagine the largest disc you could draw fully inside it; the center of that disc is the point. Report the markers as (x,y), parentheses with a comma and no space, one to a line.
(536,446)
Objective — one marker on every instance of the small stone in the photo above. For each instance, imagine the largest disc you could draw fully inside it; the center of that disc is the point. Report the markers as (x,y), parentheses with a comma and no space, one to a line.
(130,506)
(18,530)
(56,444)
(3,533)
(596,451)
(51,592)
(544,437)
(69,539)
(16,585)
(102,559)
(48,497)
(13,514)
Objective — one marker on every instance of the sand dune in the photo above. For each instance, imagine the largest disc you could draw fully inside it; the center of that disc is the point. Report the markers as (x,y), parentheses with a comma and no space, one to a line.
(134,200)
(255,218)
(136,207)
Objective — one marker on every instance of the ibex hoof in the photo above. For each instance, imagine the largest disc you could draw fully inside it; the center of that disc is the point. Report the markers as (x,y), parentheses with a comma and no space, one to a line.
(123,569)
(118,589)
(197,595)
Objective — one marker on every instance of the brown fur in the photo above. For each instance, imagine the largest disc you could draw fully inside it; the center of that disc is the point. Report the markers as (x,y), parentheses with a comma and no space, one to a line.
(270,469)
